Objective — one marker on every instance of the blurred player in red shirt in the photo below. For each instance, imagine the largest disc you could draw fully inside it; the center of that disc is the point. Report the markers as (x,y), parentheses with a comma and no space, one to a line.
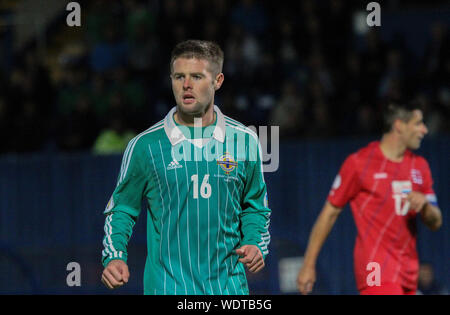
(387,186)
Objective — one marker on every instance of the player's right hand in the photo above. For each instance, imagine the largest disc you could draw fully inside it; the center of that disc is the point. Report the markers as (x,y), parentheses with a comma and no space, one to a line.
(306,279)
(115,274)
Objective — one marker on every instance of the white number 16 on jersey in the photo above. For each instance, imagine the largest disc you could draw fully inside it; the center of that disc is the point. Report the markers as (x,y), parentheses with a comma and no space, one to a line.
(205,188)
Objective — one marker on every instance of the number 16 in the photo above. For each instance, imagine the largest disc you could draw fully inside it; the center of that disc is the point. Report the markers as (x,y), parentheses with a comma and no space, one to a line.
(205,188)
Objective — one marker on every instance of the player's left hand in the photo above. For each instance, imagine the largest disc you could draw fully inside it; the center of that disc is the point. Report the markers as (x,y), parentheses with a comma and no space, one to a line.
(252,257)
(416,200)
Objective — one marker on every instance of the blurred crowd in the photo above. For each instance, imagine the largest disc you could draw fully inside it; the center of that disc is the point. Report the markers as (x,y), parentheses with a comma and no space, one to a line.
(293,65)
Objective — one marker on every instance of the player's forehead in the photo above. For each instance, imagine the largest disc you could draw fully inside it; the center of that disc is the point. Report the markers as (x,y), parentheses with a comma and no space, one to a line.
(186,64)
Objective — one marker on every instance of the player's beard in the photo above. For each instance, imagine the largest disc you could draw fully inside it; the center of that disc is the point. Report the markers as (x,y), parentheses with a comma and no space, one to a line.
(195,109)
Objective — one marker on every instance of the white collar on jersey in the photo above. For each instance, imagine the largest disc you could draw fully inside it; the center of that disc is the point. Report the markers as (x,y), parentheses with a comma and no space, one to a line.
(176,136)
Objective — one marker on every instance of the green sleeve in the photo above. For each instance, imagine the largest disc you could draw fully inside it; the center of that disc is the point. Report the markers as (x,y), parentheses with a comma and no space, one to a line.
(255,209)
(118,230)
(125,203)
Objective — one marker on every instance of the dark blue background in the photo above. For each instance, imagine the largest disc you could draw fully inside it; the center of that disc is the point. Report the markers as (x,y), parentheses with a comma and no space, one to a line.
(52,204)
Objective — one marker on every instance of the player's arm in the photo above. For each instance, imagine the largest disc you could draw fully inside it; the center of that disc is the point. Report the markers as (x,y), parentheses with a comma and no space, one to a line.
(118,229)
(431,216)
(430,213)
(255,214)
(121,213)
(317,237)
(346,185)
(425,201)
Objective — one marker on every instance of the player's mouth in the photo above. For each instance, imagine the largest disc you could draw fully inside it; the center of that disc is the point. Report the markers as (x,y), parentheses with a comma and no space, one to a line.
(188,98)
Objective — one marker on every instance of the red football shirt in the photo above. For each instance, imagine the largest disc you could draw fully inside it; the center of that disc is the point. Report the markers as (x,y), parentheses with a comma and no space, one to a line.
(386,227)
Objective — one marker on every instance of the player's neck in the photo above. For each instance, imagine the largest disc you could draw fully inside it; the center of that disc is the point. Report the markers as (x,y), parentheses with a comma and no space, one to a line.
(392,148)
(207,118)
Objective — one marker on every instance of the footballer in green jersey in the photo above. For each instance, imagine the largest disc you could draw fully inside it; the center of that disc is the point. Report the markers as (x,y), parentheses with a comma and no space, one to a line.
(202,177)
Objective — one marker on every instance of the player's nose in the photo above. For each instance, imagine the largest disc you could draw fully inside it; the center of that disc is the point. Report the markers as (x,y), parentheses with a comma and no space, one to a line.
(187,84)
(425,129)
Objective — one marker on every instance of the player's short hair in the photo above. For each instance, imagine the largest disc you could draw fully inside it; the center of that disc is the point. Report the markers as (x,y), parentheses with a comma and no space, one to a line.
(394,110)
(200,49)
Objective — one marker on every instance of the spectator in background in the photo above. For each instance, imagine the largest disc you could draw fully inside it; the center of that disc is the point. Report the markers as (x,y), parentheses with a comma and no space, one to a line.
(28,99)
(337,23)
(251,54)
(217,11)
(110,53)
(192,18)
(144,55)
(251,16)
(393,74)
(288,113)
(143,42)
(29,80)
(99,93)
(266,43)
(17,86)
(73,85)
(77,131)
(132,94)
(428,285)
(38,85)
(235,60)
(114,138)
(263,90)
(169,15)
(435,74)
(98,17)
(322,124)
(212,29)
(366,120)
(286,46)
(311,30)
(351,92)
(138,17)
(436,53)
(319,71)
(373,61)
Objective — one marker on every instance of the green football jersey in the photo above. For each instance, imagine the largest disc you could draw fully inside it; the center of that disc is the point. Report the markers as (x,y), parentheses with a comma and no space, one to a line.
(207,197)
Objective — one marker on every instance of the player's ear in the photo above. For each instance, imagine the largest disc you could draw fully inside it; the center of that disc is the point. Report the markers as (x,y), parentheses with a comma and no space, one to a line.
(398,125)
(218,81)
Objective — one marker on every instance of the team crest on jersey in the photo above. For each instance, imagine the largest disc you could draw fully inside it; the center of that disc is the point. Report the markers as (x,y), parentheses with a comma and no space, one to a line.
(416,177)
(227,163)
(401,187)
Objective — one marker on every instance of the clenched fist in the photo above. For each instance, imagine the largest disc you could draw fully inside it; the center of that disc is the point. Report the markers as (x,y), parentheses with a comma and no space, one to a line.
(115,274)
